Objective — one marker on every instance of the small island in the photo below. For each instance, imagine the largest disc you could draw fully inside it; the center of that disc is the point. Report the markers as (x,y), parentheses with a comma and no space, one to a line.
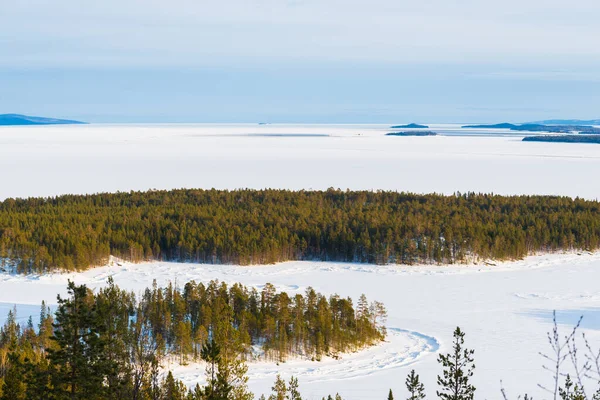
(564,139)
(581,129)
(412,133)
(21,120)
(410,126)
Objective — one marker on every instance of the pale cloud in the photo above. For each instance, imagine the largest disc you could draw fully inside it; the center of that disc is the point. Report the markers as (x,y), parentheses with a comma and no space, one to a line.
(193,33)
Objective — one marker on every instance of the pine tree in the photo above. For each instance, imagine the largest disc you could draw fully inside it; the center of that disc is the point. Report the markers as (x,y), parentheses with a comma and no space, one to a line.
(279,389)
(211,355)
(458,369)
(172,388)
(390,395)
(293,390)
(415,387)
(571,391)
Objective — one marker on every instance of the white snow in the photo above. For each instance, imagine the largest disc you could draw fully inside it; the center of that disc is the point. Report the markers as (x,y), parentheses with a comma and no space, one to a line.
(506,311)
(54,160)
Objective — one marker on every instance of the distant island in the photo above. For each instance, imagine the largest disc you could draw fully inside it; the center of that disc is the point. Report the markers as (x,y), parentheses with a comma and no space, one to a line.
(410,126)
(568,122)
(582,129)
(564,139)
(412,133)
(18,119)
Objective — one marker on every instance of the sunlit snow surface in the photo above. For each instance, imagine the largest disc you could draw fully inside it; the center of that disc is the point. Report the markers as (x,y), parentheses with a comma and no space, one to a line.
(53,160)
(506,311)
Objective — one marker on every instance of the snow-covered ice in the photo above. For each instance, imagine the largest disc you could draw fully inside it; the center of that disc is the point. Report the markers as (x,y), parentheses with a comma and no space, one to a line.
(505,310)
(54,160)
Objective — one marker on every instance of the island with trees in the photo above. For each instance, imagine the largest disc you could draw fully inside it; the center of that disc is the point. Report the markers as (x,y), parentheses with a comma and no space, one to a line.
(564,139)
(75,232)
(581,129)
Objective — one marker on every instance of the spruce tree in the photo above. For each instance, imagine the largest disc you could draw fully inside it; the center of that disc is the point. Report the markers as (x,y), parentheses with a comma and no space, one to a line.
(415,387)
(390,395)
(458,369)
(14,387)
(76,363)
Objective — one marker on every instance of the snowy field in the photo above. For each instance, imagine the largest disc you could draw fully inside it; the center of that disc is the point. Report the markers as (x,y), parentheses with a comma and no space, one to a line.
(506,311)
(50,160)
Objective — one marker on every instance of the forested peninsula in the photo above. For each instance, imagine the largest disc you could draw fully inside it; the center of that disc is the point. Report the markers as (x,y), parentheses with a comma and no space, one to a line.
(564,139)
(265,226)
(110,345)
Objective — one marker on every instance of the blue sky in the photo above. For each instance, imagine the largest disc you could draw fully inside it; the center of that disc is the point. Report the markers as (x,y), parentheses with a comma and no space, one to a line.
(381,61)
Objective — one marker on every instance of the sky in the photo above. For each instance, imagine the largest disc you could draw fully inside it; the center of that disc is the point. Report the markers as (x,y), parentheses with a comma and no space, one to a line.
(306,61)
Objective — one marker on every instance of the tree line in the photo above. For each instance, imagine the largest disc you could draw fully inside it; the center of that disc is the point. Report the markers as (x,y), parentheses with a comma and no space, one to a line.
(108,345)
(266,226)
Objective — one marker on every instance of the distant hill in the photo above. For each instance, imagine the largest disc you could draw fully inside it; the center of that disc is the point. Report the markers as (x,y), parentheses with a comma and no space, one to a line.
(504,125)
(18,119)
(409,126)
(568,122)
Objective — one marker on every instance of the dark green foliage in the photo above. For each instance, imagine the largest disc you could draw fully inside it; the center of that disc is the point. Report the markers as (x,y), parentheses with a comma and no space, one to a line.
(294,389)
(571,391)
(14,386)
(390,395)
(109,345)
(337,397)
(79,356)
(236,317)
(249,227)
(585,129)
(173,389)
(415,387)
(564,139)
(457,370)
(284,391)
(279,389)
(218,386)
